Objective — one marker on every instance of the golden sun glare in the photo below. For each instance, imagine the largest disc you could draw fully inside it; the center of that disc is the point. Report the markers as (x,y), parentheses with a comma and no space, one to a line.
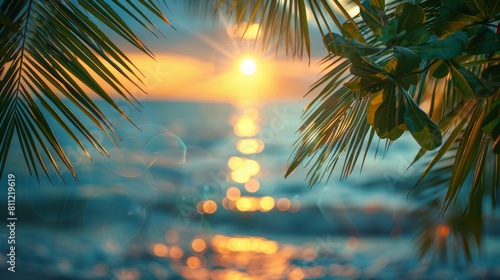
(248,67)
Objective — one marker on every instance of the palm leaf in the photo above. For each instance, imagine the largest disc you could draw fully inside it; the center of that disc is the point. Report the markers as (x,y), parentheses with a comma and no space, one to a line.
(340,123)
(52,53)
(281,23)
(456,234)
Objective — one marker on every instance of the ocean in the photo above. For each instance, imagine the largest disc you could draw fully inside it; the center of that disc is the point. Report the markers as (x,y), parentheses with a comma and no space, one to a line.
(197,191)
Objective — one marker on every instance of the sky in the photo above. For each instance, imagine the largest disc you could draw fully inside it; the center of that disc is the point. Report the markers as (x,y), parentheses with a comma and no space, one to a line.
(200,60)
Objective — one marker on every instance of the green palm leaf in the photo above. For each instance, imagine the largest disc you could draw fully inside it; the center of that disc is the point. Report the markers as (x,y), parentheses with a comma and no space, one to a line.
(52,53)
(281,23)
(382,67)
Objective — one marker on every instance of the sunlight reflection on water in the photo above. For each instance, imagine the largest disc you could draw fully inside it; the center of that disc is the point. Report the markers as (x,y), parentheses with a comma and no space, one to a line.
(240,257)
(197,199)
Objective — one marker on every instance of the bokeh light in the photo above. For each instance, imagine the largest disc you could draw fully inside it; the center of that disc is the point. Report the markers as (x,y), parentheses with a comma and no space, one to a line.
(250,146)
(176,252)
(266,203)
(251,167)
(234,163)
(209,207)
(443,231)
(160,250)
(199,245)
(252,185)
(244,204)
(246,127)
(193,262)
(283,204)
(240,176)
(233,193)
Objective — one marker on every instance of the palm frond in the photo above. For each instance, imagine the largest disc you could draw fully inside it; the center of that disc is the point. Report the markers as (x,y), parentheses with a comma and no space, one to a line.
(399,67)
(456,234)
(52,53)
(281,23)
(337,122)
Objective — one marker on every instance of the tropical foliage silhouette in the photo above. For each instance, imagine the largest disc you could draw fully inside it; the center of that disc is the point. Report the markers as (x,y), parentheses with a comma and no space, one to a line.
(427,67)
(52,52)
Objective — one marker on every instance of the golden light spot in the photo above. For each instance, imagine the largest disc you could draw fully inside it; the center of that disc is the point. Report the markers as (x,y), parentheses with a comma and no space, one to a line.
(160,250)
(443,231)
(254,204)
(234,163)
(176,252)
(250,146)
(248,67)
(235,244)
(252,185)
(271,247)
(209,207)
(233,193)
(243,204)
(239,176)
(283,204)
(172,236)
(256,245)
(266,203)
(193,262)
(352,243)
(199,245)
(251,167)
(219,240)
(246,127)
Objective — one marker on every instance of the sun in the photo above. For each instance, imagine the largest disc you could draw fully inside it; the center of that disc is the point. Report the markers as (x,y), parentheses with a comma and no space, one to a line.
(248,67)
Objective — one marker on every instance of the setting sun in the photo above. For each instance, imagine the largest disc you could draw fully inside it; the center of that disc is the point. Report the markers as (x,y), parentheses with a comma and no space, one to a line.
(248,67)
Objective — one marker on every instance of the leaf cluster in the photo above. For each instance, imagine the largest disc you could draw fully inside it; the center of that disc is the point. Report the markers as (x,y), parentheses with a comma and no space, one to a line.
(428,67)
(53,54)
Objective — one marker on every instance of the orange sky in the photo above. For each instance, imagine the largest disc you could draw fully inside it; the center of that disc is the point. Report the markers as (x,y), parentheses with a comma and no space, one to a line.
(181,77)
(200,62)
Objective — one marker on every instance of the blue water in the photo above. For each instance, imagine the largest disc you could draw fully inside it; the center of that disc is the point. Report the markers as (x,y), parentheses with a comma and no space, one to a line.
(135,214)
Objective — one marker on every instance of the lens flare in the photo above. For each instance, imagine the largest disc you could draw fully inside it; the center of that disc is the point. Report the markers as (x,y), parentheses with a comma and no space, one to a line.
(248,67)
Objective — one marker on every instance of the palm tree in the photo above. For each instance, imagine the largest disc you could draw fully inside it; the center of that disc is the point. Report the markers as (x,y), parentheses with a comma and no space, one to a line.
(427,67)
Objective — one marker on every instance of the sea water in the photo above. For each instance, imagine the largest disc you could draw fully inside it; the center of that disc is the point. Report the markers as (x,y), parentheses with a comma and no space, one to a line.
(197,191)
